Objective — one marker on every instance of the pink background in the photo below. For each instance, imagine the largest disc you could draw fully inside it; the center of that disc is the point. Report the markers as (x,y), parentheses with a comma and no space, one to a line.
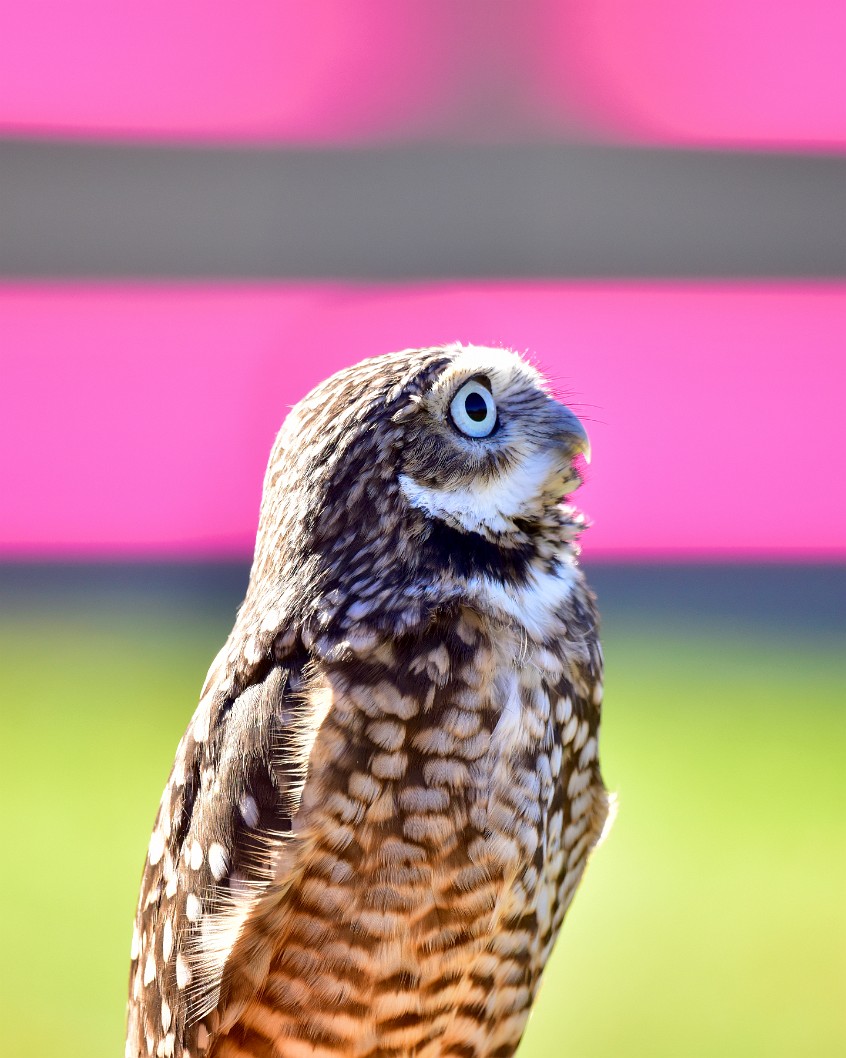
(137,420)
(745,73)
(720,73)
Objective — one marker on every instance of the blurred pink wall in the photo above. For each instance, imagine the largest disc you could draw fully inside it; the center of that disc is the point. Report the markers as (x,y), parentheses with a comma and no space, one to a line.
(748,73)
(137,420)
(720,73)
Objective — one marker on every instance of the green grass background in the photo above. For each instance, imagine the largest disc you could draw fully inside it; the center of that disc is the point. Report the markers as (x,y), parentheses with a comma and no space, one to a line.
(711,922)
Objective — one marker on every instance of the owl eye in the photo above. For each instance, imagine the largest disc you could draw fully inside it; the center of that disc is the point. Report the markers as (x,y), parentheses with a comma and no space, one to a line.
(473,409)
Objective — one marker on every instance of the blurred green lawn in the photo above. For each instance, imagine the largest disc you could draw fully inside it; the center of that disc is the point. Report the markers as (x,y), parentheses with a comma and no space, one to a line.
(711,922)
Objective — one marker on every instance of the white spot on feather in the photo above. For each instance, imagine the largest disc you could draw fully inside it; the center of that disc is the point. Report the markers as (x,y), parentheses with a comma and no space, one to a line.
(218,860)
(165,1047)
(193,908)
(564,709)
(588,753)
(570,729)
(156,847)
(196,856)
(183,973)
(177,777)
(202,720)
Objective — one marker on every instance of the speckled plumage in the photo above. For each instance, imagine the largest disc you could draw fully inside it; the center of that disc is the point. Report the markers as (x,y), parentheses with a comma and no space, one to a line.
(385,800)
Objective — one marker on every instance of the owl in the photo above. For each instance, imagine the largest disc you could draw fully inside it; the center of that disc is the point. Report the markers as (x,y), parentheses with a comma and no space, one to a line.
(385,800)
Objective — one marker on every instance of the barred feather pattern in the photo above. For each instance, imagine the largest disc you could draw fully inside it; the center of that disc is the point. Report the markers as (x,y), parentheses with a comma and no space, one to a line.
(390,789)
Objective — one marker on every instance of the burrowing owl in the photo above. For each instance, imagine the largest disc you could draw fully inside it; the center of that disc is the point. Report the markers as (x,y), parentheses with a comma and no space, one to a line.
(386,798)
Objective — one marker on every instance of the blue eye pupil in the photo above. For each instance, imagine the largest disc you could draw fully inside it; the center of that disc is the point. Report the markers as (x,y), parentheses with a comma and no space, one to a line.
(475,406)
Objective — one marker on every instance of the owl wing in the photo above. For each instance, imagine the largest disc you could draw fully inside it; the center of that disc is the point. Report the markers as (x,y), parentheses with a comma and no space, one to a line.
(580,803)
(232,792)
(575,806)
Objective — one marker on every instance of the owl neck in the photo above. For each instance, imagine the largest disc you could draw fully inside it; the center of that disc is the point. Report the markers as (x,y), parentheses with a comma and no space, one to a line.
(366,583)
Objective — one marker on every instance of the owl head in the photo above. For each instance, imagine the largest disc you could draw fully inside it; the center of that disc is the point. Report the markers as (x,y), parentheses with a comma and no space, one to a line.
(398,481)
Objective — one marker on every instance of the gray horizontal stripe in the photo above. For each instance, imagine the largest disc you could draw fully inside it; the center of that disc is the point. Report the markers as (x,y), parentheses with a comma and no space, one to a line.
(734,597)
(71,210)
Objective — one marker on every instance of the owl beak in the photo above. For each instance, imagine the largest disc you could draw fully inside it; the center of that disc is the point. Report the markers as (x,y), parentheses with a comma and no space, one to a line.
(571,434)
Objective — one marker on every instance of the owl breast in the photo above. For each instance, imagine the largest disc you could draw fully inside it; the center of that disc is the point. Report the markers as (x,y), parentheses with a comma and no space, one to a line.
(451,799)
